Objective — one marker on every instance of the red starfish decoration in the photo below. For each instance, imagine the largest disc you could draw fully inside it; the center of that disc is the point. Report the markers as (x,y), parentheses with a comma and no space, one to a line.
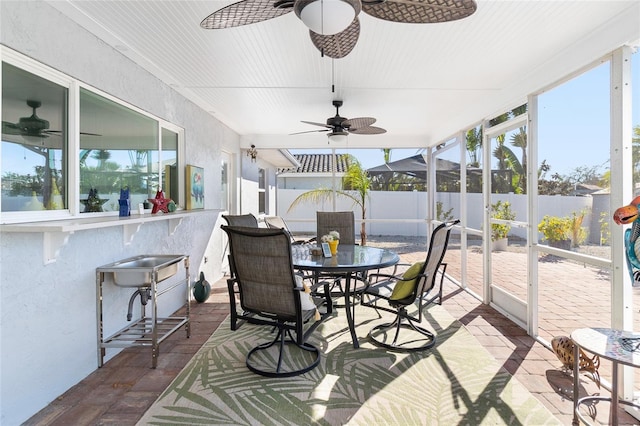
(160,203)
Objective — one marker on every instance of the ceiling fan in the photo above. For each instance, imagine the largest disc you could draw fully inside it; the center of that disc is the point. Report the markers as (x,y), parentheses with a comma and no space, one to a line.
(33,126)
(334,27)
(339,127)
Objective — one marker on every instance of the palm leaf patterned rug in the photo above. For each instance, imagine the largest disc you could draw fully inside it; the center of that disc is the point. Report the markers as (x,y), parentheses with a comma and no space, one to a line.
(457,382)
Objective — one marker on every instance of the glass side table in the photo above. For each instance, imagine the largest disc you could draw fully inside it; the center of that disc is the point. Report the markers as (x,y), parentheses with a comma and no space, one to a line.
(620,347)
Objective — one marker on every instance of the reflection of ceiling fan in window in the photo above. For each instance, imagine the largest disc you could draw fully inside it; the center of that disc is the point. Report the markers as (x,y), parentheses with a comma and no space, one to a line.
(33,127)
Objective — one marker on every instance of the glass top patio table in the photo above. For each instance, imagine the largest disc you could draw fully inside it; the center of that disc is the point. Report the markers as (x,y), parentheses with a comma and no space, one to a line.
(348,260)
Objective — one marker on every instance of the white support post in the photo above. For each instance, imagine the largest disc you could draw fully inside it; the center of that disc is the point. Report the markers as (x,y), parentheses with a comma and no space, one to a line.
(622,193)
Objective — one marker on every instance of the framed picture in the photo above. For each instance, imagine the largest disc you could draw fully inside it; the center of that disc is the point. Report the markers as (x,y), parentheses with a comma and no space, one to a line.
(326,251)
(195,187)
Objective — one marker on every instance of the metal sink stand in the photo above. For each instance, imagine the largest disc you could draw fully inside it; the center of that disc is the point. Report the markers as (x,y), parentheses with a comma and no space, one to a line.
(147,331)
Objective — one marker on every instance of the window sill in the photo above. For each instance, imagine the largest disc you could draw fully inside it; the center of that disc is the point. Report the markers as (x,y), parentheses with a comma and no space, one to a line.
(56,232)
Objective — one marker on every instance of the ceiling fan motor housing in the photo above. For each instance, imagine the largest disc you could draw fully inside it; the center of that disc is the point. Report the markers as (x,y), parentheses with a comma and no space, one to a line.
(33,125)
(341,126)
(337,122)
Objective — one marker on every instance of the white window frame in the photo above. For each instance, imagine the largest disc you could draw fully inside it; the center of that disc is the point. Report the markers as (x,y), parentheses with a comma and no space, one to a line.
(73,116)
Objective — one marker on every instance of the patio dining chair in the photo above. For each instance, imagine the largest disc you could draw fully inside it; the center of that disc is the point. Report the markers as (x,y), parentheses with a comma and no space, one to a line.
(420,285)
(277,222)
(343,222)
(247,220)
(271,295)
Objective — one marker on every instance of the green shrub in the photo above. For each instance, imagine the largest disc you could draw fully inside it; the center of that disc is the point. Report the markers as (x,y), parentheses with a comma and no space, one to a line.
(501,210)
(555,228)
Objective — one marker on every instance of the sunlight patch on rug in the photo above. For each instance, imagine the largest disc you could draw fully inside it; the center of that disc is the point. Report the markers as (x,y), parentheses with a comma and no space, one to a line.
(456,382)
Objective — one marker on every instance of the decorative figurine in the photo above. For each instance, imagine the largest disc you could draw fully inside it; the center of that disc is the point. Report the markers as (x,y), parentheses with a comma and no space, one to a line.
(125,202)
(55,201)
(625,215)
(160,203)
(563,347)
(93,203)
(201,289)
(34,203)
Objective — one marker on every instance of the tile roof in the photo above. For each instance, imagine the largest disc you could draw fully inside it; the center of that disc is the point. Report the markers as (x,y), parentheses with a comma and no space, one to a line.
(319,163)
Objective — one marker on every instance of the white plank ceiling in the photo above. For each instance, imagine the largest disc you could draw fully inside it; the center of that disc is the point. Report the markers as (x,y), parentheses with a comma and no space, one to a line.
(422,82)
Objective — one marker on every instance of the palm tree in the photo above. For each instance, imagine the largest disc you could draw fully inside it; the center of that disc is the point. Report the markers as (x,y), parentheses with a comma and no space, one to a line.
(507,160)
(474,146)
(102,155)
(519,140)
(357,179)
(387,155)
(356,184)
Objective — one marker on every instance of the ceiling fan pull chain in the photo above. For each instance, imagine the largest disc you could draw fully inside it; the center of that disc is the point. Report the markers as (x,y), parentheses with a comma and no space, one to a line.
(333,75)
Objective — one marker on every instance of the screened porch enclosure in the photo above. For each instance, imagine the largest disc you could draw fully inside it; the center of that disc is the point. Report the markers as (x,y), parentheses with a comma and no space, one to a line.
(528,176)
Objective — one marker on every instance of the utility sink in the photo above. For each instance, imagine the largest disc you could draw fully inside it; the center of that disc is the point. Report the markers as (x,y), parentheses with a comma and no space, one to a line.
(138,271)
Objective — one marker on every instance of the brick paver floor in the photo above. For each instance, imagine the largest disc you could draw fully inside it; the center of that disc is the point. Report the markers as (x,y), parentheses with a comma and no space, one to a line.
(120,392)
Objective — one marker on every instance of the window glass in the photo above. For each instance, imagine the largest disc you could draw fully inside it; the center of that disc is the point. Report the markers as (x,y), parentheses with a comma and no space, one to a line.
(170,181)
(262,196)
(573,199)
(224,183)
(118,149)
(447,164)
(508,155)
(474,160)
(573,164)
(34,142)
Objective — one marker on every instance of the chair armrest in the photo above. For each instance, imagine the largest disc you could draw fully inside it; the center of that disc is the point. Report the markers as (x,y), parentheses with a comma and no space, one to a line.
(388,284)
(382,277)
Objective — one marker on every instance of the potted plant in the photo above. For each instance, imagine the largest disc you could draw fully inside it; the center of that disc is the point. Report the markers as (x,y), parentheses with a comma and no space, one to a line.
(333,239)
(499,232)
(557,231)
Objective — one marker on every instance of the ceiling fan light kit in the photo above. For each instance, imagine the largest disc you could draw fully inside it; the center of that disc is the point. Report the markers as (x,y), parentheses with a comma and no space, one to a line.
(338,137)
(334,24)
(327,17)
(252,153)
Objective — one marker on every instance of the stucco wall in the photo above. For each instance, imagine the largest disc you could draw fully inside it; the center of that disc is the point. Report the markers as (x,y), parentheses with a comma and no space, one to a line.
(48,318)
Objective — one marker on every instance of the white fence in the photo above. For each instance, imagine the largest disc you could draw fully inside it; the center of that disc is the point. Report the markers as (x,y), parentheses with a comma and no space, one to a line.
(405,213)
